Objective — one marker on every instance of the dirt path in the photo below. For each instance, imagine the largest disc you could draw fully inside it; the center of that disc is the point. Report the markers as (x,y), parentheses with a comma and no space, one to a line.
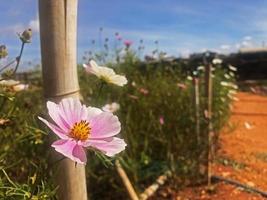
(242,156)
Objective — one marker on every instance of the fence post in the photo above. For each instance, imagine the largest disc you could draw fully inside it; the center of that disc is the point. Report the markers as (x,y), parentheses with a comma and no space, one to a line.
(58,32)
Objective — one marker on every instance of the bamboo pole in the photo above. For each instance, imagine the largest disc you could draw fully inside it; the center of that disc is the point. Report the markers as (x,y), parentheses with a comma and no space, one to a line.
(208,94)
(196,101)
(58,32)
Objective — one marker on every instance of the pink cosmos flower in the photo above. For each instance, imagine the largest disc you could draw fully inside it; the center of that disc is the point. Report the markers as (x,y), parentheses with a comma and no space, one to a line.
(79,127)
(143,91)
(127,43)
(161,120)
(182,86)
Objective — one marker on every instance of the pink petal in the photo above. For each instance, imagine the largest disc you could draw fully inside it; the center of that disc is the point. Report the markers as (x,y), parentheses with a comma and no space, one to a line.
(91,67)
(79,153)
(84,113)
(58,131)
(93,64)
(93,112)
(54,112)
(104,125)
(88,68)
(70,149)
(109,147)
(89,142)
(71,109)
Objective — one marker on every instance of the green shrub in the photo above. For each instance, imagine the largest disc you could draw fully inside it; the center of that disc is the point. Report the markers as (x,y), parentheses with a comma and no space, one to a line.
(152,93)
(153,147)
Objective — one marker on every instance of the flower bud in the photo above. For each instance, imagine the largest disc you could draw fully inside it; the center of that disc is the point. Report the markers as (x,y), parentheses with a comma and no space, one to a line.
(3,51)
(26,36)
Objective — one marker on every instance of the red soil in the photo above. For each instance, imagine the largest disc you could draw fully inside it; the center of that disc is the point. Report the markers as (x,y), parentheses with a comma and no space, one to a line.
(247,143)
(242,155)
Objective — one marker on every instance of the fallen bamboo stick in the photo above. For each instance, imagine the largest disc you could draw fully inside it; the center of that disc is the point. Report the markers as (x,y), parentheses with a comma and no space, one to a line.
(126,181)
(154,187)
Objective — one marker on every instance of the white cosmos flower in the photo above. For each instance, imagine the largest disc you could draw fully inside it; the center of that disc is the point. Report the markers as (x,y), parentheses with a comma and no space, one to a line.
(20,87)
(189,78)
(9,82)
(232,92)
(232,97)
(227,76)
(235,99)
(13,85)
(201,68)
(224,83)
(232,74)
(216,61)
(232,68)
(234,86)
(104,73)
(113,107)
(229,84)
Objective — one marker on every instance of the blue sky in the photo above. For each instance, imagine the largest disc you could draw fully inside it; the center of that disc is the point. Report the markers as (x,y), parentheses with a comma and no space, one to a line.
(181,27)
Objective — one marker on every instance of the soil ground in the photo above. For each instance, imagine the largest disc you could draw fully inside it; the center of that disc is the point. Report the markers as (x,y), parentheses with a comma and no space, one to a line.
(242,156)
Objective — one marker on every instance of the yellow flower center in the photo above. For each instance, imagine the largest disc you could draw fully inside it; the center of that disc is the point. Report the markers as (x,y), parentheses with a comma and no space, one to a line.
(80,131)
(105,79)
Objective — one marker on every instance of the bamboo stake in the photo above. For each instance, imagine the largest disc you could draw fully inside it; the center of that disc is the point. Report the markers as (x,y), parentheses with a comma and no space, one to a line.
(58,29)
(208,93)
(196,100)
(126,181)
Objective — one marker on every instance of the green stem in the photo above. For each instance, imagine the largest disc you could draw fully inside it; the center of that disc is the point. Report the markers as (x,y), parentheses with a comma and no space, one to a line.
(18,59)
(6,66)
(100,89)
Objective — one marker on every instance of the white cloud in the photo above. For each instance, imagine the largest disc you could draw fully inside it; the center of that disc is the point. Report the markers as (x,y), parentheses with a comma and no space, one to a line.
(185,53)
(245,43)
(237,46)
(17,28)
(248,37)
(225,47)
(175,40)
(34,25)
